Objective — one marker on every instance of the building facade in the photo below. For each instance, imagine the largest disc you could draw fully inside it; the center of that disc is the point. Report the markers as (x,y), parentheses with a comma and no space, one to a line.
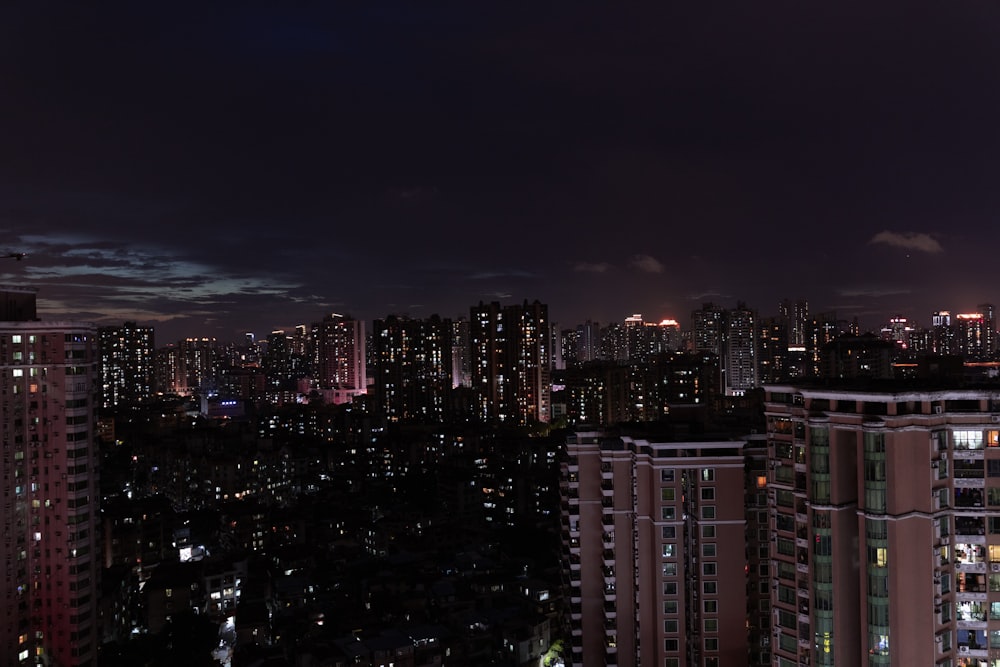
(413,368)
(656,539)
(511,362)
(50,493)
(340,353)
(126,367)
(885,513)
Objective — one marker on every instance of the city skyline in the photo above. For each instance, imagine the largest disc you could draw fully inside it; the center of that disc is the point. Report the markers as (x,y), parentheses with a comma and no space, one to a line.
(210,171)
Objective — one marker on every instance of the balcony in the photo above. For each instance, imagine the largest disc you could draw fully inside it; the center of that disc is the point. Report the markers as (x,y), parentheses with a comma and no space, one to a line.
(969,525)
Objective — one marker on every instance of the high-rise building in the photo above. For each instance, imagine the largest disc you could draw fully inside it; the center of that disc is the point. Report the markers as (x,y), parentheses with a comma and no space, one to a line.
(340,352)
(988,311)
(741,365)
(588,342)
(511,365)
(196,365)
(663,551)
(885,516)
(944,333)
(776,362)
(796,318)
(413,368)
(972,335)
(126,366)
(708,329)
(50,492)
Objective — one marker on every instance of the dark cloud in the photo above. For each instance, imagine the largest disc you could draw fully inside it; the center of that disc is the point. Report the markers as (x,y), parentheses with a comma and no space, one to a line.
(236,166)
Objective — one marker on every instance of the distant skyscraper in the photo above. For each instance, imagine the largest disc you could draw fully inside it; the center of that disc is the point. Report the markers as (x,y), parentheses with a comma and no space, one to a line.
(461,371)
(413,368)
(511,362)
(796,316)
(990,328)
(50,491)
(708,329)
(279,377)
(126,366)
(972,335)
(198,357)
(588,342)
(556,347)
(775,360)
(741,361)
(340,351)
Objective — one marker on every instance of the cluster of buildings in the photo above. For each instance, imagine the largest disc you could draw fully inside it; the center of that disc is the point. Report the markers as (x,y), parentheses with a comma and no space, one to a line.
(861,527)
(748,491)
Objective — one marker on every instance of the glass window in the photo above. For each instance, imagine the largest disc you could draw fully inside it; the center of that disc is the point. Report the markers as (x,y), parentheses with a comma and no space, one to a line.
(669,532)
(708,550)
(667,493)
(968,439)
(708,493)
(668,513)
(668,550)
(666,475)
(708,512)
(708,531)
(708,474)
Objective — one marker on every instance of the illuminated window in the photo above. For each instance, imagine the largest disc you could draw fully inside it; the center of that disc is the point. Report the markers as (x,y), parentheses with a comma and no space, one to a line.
(993,438)
(761,481)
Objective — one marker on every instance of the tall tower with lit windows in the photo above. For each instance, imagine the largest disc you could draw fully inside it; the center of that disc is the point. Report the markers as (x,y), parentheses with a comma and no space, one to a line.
(511,366)
(340,353)
(126,366)
(48,378)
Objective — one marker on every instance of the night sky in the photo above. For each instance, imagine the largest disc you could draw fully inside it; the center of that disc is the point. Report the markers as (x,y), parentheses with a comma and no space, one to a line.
(214,168)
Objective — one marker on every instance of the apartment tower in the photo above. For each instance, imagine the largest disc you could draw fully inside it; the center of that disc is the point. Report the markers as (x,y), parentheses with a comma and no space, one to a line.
(50,491)
(126,367)
(510,362)
(885,516)
(662,560)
